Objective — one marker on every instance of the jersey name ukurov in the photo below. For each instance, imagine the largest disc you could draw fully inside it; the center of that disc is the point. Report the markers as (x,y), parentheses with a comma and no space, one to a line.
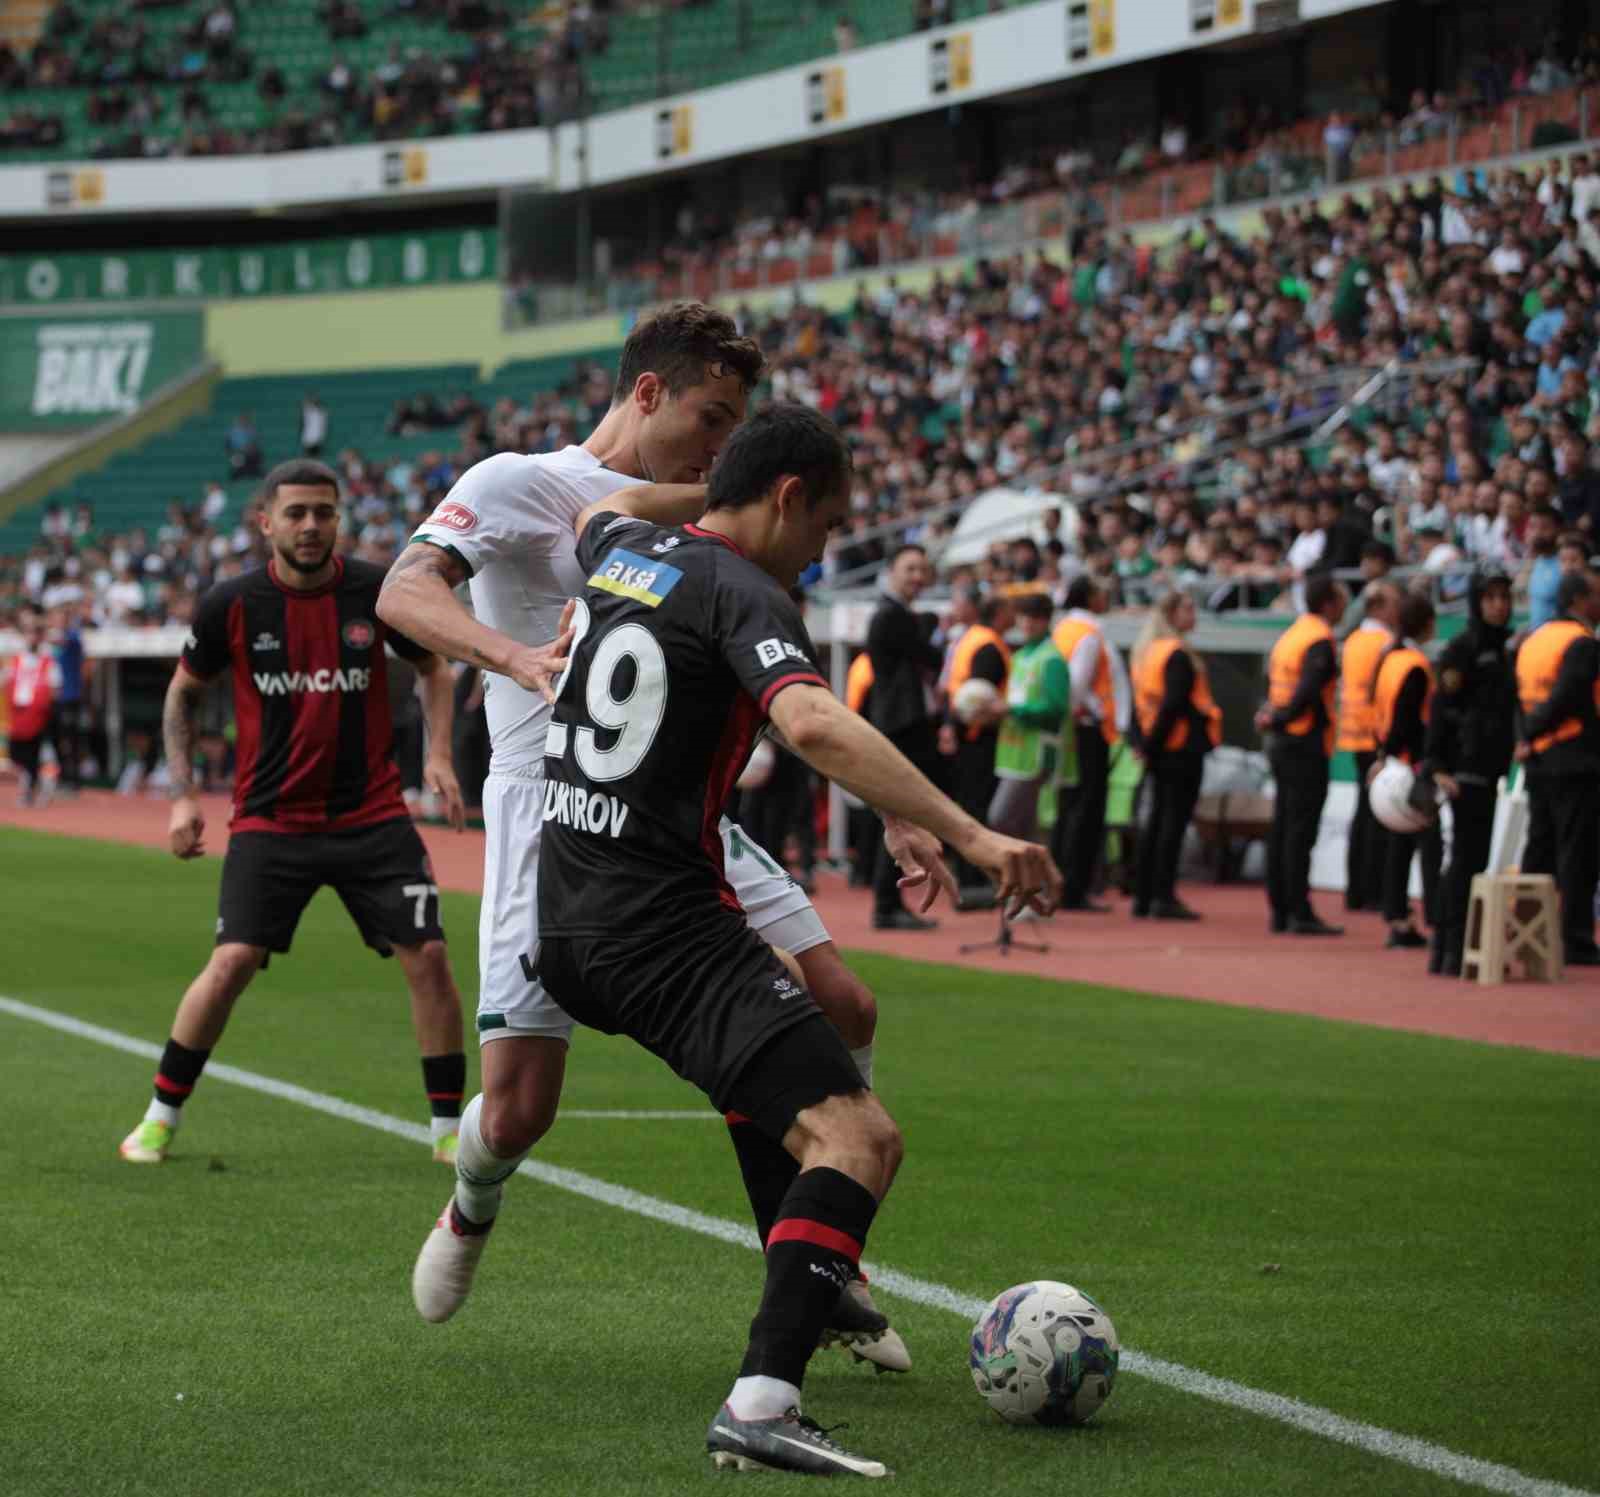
(584,810)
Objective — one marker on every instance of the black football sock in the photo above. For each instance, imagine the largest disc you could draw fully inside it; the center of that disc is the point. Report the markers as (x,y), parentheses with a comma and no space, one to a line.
(444,1078)
(813,1251)
(178,1072)
(768,1168)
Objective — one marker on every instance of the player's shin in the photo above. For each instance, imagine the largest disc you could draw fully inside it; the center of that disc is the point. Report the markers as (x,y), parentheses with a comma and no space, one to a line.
(480,1175)
(768,1169)
(813,1251)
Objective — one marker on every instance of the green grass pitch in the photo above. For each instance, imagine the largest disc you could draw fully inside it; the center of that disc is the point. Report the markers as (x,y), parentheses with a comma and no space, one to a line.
(1398,1229)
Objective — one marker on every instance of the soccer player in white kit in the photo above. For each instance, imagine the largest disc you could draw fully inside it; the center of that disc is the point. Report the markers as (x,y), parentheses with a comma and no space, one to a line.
(508,525)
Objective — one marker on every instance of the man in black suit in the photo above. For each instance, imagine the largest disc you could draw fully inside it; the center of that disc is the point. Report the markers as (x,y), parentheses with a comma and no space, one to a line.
(905,664)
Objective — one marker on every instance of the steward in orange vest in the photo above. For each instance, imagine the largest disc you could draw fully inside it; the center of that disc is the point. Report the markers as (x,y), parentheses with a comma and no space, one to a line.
(1177,723)
(858,683)
(1358,674)
(1078,837)
(1401,701)
(980,653)
(1558,682)
(1173,701)
(1302,672)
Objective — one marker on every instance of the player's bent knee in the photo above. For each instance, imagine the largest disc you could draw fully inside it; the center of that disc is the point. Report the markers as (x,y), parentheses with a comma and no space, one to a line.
(233,964)
(511,1125)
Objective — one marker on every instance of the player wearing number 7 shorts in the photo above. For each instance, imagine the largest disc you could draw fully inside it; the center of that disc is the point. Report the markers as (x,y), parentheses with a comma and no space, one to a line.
(508,525)
(316,791)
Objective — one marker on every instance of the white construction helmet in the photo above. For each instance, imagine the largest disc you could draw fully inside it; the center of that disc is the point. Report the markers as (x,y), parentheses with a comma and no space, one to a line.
(1399,800)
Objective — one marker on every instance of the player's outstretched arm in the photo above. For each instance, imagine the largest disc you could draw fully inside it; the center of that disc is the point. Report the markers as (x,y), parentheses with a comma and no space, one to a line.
(658,503)
(438,713)
(845,747)
(418,599)
(187,824)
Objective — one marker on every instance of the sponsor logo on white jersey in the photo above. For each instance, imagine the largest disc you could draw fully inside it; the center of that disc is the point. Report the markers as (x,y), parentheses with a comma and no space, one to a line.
(454,515)
(292,683)
(771,652)
(584,810)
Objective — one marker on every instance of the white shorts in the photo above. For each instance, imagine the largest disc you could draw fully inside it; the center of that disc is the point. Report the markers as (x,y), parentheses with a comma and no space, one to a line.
(510,1000)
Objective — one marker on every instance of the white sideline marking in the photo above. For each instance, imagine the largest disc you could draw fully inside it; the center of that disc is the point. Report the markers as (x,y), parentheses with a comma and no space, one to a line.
(1403,1449)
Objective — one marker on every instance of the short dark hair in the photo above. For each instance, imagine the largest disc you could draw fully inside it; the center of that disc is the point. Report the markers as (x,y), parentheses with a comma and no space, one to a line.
(1573,588)
(780,441)
(298,472)
(903,547)
(1544,512)
(1320,590)
(1081,590)
(1377,551)
(1033,606)
(1416,614)
(683,343)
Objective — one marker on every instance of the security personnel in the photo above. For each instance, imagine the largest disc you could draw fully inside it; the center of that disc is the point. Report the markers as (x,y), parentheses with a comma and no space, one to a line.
(1471,734)
(1178,723)
(1358,673)
(1302,673)
(1402,700)
(981,653)
(1080,831)
(863,825)
(1558,684)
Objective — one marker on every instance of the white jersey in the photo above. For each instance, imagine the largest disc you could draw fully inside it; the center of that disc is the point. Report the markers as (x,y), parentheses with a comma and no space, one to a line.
(510,519)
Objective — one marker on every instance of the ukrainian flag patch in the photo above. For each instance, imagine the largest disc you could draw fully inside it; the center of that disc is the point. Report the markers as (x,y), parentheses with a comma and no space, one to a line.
(630,576)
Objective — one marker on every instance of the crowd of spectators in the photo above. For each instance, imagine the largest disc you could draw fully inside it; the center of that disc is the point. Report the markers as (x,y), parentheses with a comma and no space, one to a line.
(1164,397)
(500,78)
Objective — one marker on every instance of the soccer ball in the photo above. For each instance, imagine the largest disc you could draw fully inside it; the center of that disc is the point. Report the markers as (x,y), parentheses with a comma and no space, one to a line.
(1044,1353)
(973,696)
(1400,801)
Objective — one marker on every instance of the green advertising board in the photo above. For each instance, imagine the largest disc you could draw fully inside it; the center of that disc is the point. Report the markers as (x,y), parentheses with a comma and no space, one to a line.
(372,263)
(62,373)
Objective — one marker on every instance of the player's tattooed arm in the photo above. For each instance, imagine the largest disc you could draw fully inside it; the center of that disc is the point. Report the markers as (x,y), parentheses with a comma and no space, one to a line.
(186,826)
(418,599)
(177,729)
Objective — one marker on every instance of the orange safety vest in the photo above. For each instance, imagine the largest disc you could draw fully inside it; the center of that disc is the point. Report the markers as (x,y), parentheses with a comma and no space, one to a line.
(1069,634)
(858,682)
(1538,665)
(962,653)
(1150,690)
(1283,675)
(1358,674)
(1392,673)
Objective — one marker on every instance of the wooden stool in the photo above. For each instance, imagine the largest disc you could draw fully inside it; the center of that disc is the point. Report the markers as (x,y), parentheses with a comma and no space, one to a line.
(1513,917)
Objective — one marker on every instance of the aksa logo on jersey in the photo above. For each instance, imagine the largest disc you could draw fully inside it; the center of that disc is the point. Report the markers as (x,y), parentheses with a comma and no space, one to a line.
(265,641)
(453,516)
(584,810)
(359,634)
(292,683)
(630,576)
(771,652)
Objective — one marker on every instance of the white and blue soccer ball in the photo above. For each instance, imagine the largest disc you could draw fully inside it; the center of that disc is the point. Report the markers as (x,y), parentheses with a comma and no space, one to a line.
(1044,1353)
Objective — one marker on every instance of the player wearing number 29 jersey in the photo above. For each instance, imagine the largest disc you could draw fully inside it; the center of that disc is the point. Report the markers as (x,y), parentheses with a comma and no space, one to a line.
(639,763)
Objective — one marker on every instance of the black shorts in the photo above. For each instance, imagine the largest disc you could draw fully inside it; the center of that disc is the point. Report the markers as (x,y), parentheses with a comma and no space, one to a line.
(382,873)
(718,1006)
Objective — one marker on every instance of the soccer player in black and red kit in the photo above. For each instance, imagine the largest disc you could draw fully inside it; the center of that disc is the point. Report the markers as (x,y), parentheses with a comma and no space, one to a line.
(316,795)
(686,646)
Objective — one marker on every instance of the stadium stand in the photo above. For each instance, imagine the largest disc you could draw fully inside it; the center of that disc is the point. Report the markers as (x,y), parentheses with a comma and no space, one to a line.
(101,80)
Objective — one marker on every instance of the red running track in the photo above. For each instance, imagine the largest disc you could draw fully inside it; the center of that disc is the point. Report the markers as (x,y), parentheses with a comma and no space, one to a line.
(1226,958)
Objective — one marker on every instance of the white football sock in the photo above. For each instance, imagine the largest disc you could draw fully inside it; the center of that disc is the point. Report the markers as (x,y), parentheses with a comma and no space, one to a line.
(863,1060)
(478,1172)
(443,1127)
(762,1398)
(159,1112)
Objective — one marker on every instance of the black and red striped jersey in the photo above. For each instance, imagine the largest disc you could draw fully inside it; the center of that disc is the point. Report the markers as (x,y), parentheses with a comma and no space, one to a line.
(682,646)
(310,698)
